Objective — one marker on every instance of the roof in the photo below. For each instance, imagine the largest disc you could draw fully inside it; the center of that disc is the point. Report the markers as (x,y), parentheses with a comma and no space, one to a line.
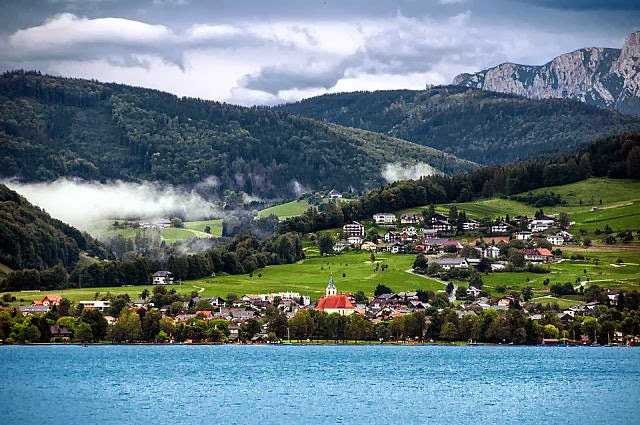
(162,273)
(331,284)
(545,252)
(446,260)
(53,297)
(334,192)
(334,301)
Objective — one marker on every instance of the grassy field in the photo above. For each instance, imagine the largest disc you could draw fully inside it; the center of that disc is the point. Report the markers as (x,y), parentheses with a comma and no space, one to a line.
(283,211)
(102,229)
(198,227)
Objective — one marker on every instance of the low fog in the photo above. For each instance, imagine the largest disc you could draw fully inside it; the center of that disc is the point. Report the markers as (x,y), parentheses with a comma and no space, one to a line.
(393,172)
(80,202)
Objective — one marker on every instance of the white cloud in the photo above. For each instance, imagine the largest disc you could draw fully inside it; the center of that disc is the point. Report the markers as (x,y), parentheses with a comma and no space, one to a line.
(393,172)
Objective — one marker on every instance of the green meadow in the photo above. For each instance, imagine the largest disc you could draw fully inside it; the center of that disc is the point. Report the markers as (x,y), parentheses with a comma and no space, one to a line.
(286,210)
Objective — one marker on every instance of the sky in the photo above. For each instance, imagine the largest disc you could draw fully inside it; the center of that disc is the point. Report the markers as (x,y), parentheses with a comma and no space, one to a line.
(252,52)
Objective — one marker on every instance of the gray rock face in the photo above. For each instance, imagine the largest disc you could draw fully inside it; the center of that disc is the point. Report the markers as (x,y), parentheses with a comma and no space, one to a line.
(604,77)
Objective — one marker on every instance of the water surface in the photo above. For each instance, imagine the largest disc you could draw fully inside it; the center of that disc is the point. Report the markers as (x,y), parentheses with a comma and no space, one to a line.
(318,385)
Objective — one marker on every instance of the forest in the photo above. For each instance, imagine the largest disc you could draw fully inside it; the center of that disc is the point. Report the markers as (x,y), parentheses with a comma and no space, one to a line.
(481,126)
(52,127)
(614,157)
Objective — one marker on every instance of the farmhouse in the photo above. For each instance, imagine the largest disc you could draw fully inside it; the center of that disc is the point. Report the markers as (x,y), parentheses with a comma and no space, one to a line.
(439,217)
(537,226)
(555,239)
(341,246)
(51,300)
(95,305)
(540,255)
(523,236)
(451,263)
(440,226)
(353,229)
(491,252)
(410,218)
(501,227)
(163,278)
(384,218)
(369,246)
(334,194)
(59,334)
(354,240)
(395,247)
(470,225)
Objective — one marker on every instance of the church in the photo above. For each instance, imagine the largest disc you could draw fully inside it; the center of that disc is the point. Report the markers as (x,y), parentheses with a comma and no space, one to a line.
(333,302)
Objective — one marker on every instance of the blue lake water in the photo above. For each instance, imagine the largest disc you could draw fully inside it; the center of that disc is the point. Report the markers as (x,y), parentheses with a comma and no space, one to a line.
(318,385)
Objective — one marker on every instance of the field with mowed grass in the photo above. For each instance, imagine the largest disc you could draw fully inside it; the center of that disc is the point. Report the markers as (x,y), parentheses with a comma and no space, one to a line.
(286,210)
(104,229)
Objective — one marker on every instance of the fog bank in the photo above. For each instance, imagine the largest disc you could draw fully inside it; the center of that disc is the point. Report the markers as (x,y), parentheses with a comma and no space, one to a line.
(393,172)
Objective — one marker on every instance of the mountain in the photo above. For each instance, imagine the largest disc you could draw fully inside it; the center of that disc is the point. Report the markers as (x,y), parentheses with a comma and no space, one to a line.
(481,126)
(604,77)
(30,238)
(52,127)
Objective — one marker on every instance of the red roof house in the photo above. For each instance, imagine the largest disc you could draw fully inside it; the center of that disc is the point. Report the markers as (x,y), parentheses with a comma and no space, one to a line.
(51,299)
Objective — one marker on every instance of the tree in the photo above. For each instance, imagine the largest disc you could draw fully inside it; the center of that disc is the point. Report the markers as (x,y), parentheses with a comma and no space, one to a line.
(633,163)
(475,280)
(83,332)
(450,287)
(484,266)
(564,221)
(586,243)
(325,244)
(449,331)
(516,258)
(144,294)
(421,262)
(382,289)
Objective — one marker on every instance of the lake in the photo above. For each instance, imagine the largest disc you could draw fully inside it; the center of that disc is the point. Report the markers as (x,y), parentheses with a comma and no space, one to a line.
(318,384)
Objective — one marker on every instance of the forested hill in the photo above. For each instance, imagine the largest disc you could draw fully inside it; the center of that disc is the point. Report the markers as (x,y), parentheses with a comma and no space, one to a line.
(52,127)
(30,238)
(480,126)
(614,157)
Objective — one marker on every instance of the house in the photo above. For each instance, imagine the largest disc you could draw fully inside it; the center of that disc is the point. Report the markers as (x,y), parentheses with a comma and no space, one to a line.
(537,226)
(548,256)
(501,227)
(439,217)
(51,300)
(568,237)
(613,297)
(533,255)
(341,246)
(506,301)
(491,252)
(555,239)
(354,240)
(449,263)
(470,225)
(410,218)
(440,226)
(353,229)
(473,292)
(384,218)
(392,236)
(162,278)
(333,302)
(59,334)
(395,247)
(28,310)
(334,194)
(524,235)
(95,305)
(452,243)
(368,246)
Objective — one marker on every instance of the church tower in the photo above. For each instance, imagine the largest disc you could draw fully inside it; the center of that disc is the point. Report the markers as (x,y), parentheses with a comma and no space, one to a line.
(331,287)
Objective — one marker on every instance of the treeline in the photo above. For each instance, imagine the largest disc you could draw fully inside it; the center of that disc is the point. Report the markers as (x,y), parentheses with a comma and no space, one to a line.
(52,127)
(244,255)
(30,238)
(481,126)
(615,157)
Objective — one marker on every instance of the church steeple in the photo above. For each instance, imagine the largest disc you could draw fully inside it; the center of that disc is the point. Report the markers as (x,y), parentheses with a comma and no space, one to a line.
(331,287)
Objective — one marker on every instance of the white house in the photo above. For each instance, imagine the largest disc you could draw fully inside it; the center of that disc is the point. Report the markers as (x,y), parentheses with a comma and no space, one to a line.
(537,226)
(162,278)
(500,228)
(524,236)
(341,246)
(491,252)
(354,240)
(353,229)
(384,218)
(334,194)
(96,305)
(449,263)
(474,292)
(555,239)
(441,226)
(470,225)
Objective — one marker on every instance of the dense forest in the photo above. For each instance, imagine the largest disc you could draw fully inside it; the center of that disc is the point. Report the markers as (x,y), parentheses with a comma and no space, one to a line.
(52,127)
(482,126)
(615,157)
(30,238)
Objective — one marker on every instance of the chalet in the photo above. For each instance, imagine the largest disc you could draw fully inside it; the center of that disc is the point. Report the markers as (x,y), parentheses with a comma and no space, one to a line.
(491,252)
(407,237)
(470,225)
(449,263)
(354,240)
(501,227)
(392,236)
(28,310)
(568,237)
(395,247)
(440,226)
(439,217)
(384,218)
(59,334)
(353,229)
(341,246)
(410,230)
(368,246)
(334,194)
(410,218)
(95,305)
(204,314)
(523,236)
(507,300)
(473,292)
(539,255)
(613,297)
(163,278)
(537,226)
(51,300)
(452,243)
(555,239)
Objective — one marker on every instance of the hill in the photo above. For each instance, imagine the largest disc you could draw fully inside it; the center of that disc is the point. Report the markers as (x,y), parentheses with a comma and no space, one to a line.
(481,126)
(52,127)
(598,76)
(30,238)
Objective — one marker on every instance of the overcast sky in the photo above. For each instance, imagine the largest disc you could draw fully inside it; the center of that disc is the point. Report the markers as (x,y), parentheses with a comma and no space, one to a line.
(268,51)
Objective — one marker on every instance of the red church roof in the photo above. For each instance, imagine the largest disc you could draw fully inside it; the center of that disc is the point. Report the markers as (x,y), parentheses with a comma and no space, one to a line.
(334,301)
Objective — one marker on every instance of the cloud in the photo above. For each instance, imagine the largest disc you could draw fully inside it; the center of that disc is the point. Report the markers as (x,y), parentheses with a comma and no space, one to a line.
(393,172)
(80,202)
(586,4)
